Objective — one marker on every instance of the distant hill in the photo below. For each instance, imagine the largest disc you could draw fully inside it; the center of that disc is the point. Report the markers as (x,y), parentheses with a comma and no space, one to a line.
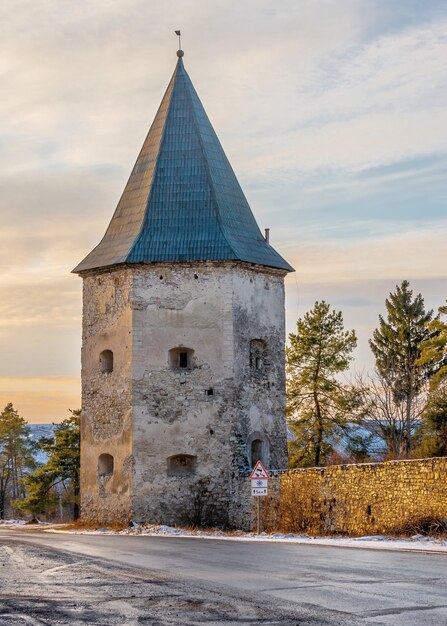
(38,431)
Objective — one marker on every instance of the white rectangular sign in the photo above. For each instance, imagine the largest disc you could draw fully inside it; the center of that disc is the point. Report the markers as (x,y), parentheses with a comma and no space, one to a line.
(259,491)
(259,482)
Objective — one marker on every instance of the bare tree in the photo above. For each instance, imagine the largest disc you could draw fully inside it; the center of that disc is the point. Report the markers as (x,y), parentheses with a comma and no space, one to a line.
(383,414)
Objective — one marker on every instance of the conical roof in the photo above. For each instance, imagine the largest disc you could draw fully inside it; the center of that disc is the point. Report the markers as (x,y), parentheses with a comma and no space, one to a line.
(182,201)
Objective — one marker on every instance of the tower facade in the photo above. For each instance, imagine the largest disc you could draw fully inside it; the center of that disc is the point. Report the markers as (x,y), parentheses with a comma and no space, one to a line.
(183,381)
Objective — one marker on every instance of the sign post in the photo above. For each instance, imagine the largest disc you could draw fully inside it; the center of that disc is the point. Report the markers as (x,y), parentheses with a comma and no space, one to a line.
(259,488)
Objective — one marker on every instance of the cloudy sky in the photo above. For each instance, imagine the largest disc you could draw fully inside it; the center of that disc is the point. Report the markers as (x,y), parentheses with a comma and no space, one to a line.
(333,115)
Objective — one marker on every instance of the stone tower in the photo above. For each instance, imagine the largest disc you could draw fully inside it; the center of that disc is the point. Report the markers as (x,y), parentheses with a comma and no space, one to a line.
(183,380)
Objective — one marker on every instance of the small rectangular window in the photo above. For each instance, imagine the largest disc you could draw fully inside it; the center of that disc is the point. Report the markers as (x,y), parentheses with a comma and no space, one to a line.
(182,465)
(183,360)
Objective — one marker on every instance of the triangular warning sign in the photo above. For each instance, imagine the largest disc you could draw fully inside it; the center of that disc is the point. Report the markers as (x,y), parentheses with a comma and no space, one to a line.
(259,471)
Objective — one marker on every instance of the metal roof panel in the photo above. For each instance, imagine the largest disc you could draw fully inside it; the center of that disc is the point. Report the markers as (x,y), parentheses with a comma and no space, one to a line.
(182,201)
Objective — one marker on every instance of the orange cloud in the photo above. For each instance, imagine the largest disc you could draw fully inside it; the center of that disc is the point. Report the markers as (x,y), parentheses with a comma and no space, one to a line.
(41,399)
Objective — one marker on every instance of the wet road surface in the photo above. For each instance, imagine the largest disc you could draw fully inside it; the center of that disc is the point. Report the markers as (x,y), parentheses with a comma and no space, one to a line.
(206,581)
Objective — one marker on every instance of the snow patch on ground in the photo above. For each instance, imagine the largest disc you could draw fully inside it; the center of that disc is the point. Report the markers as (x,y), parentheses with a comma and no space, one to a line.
(380,542)
(13,523)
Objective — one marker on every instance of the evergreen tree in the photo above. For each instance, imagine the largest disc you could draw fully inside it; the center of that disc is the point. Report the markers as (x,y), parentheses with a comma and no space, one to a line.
(434,348)
(61,471)
(433,429)
(317,402)
(396,345)
(16,456)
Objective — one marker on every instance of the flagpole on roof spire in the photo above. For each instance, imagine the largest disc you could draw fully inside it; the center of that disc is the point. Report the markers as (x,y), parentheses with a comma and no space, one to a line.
(179,35)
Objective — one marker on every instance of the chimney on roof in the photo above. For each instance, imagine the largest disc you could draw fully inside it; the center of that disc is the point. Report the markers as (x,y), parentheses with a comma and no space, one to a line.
(267,235)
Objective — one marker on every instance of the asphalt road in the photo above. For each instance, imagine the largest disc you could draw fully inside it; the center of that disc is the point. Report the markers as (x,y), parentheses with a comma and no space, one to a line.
(304,584)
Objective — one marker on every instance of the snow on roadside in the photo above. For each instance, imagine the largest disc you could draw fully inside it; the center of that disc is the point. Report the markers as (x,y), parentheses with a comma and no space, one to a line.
(380,542)
(14,523)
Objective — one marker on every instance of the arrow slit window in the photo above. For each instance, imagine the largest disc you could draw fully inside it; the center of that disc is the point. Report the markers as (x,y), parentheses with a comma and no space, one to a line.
(258,356)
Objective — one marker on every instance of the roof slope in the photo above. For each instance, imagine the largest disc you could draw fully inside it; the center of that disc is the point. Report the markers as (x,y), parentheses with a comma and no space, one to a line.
(182,201)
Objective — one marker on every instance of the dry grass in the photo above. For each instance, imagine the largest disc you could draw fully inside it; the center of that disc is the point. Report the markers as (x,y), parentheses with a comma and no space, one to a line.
(426,525)
(80,525)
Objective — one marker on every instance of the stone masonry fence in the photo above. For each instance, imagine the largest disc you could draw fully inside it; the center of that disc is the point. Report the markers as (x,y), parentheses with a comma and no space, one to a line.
(369,498)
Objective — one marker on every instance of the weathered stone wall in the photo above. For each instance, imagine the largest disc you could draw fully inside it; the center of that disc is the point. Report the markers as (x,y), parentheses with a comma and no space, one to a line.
(357,499)
(149,413)
(259,319)
(106,397)
(215,310)
(190,307)
(258,312)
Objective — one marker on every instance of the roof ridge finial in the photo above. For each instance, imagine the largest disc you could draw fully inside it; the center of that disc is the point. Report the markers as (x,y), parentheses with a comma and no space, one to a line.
(180,52)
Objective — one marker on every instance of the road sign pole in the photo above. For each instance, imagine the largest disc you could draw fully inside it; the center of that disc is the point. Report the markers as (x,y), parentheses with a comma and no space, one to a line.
(259,487)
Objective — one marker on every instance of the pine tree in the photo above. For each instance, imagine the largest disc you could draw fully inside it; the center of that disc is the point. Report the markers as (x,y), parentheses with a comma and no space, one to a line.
(433,429)
(434,348)
(396,345)
(60,471)
(16,456)
(317,402)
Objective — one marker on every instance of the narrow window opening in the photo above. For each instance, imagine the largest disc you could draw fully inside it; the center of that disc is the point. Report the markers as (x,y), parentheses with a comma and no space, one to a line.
(256,451)
(258,355)
(106,361)
(161,277)
(368,510)
(182,465)
(195,276)
(183,360)
(209,392)
(105,465)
